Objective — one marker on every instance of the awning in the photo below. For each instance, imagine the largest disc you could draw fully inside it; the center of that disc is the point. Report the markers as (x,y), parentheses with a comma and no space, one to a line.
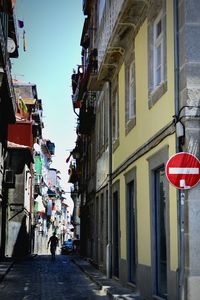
(14,145)
(18,156)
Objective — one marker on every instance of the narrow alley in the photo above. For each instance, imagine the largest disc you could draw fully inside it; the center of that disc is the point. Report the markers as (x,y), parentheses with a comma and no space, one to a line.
(41,278)
(100,149)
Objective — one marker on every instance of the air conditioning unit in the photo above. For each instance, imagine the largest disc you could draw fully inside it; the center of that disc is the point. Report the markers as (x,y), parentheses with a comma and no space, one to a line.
(9,178)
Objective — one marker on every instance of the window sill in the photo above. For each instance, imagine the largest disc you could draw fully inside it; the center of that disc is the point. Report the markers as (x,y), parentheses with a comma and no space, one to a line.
(157,93)
(115,144)
(130,124)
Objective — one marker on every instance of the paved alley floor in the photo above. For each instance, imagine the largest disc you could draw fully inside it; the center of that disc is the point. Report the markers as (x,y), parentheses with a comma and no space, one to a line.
(40,278)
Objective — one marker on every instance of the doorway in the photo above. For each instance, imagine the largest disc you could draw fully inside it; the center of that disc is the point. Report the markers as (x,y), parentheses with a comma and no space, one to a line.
(131,232)
(116,234)
(160,234)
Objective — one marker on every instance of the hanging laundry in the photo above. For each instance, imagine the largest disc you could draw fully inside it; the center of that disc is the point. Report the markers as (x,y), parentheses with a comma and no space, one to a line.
(20,24)
(67,160)
(24,40)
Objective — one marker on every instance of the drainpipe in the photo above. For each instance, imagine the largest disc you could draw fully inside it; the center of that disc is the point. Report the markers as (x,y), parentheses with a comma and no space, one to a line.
(109,245)
(180,194)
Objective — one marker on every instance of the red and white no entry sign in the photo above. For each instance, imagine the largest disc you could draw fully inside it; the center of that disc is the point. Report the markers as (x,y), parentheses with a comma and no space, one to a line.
(183,170)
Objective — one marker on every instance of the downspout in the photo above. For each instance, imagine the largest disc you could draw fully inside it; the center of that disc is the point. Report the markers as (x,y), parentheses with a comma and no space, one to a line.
(180,194)
(109,245)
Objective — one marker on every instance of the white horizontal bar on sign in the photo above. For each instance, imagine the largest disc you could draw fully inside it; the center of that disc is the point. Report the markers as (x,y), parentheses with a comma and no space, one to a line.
(183,170)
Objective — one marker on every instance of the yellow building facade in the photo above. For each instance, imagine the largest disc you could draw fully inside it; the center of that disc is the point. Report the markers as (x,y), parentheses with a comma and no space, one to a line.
(132,230)
(144,206)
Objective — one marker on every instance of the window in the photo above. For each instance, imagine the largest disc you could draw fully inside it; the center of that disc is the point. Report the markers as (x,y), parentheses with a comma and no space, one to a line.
(102,123)
(97,130)
(158,51)
(101,227)
(90,167)
(106,109)
(131,108)
(102,120)
(115,119)
(130,92)
(101,5)
(157,71)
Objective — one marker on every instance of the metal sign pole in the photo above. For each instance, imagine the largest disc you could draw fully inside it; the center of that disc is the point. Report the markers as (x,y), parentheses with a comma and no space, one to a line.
(182,244)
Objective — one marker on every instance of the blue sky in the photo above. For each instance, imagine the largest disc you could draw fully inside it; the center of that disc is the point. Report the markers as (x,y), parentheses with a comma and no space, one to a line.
(53,33)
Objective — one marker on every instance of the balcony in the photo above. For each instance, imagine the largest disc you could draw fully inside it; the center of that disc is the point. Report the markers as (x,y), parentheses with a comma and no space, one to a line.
(7,89)
(8,28)
(51,147)
(7,6)
(85,38)
(12,33)
(87,6)
(118,24)
(79,85)
(92,68)
(85,79)
(21,133)
(45,151)
(73,176)
(37,118)
(3,34)
(11,98)
(86,120)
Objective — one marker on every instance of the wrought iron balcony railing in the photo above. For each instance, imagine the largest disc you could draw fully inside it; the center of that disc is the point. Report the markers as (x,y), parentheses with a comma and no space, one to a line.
(3,34)
(106,27)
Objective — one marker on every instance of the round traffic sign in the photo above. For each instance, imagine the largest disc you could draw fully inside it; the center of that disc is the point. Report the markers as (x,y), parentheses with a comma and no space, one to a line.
(183,170)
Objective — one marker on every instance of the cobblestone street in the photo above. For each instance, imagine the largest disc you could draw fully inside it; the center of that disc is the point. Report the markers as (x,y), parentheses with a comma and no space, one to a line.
(40,278)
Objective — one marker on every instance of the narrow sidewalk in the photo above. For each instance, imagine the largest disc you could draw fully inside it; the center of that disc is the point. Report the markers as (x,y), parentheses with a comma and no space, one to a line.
(112,288)
(5,267)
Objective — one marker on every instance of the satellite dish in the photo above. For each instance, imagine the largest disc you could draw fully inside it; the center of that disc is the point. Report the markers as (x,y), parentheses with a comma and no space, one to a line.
(10,45)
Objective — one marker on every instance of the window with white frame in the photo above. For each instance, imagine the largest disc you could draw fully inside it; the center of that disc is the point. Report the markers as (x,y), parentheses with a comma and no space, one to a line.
(130,92)
(97,130)
(157,58)
(115,116)
(102,123)
(158,50)
(106,108)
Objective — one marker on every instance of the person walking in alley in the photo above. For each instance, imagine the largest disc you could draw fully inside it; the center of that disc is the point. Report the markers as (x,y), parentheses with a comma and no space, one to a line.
(53,241)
